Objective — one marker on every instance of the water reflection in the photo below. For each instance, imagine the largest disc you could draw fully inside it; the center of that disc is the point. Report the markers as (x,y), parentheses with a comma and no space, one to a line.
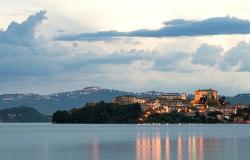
(153,146)
(179,147)
(122,142)
(95,148)
(167,147)
(195,149)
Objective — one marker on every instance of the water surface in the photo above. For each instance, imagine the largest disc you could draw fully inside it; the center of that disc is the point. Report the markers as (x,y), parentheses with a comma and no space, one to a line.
(124,142)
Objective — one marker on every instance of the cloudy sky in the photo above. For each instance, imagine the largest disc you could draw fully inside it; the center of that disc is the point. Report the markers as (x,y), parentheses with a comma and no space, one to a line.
(134,45)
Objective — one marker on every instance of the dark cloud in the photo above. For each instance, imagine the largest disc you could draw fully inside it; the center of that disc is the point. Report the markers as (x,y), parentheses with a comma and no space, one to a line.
(179,27)
(99,36)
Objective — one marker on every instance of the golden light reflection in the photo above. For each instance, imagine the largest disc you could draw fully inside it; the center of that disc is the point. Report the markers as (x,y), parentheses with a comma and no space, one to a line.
(95,149)
(189,151)
(167,148)
(201,148)
(147,147)
(155,147)
(158,146)
(179,147)
(195,148)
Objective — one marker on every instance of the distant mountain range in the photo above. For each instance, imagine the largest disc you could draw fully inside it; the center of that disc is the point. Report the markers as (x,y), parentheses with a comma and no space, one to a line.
(240,98)
(22,115)
(48,104)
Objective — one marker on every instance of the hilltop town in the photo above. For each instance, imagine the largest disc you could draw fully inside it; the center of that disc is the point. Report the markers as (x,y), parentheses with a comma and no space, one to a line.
(206,106)
(206,103)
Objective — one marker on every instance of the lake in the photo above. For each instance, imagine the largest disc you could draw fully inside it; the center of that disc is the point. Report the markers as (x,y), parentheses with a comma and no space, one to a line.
(34,141)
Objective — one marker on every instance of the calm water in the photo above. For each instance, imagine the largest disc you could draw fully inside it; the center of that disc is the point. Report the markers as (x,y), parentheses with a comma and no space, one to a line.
(118,142)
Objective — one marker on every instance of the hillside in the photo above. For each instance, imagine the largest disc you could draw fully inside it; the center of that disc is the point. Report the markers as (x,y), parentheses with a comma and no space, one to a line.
(48,104)
(240,98)
(22,114)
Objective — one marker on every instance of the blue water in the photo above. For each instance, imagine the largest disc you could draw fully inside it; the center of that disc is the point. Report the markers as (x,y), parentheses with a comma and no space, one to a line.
(124,142)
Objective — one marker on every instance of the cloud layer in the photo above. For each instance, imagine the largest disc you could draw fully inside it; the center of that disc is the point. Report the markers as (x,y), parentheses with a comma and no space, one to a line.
(178,27)
(29,61)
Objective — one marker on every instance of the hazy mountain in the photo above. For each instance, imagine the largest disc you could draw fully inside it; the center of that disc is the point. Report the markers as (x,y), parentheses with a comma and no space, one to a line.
(240,98)
(149,94)
(22,114)
(48,104)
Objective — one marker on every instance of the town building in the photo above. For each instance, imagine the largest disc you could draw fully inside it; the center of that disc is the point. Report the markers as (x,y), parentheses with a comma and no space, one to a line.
(164,103)
(91,89)
(206,102)
(129,99)
(173,96)
(167,103)
(208,94)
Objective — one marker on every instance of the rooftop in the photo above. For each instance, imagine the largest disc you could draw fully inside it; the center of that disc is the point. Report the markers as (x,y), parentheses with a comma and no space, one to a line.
(170,94)
(206,90)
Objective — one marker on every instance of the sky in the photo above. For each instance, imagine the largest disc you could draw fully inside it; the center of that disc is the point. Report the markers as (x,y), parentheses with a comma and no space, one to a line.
(134,45)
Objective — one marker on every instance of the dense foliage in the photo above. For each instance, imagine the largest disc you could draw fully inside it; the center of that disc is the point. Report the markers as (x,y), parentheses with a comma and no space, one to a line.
(22,114)
(100,113)
(176,117)
(243,113)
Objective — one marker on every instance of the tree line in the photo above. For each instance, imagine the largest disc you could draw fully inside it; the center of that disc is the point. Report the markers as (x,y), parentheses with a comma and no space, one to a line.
(100,113)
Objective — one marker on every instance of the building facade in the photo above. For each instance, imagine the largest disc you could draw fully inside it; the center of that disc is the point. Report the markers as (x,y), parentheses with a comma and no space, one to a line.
(208,94)
(124,100)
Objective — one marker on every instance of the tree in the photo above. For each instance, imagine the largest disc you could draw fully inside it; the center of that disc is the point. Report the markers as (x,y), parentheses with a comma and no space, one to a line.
(61,117)
(100,113)
(222,100)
